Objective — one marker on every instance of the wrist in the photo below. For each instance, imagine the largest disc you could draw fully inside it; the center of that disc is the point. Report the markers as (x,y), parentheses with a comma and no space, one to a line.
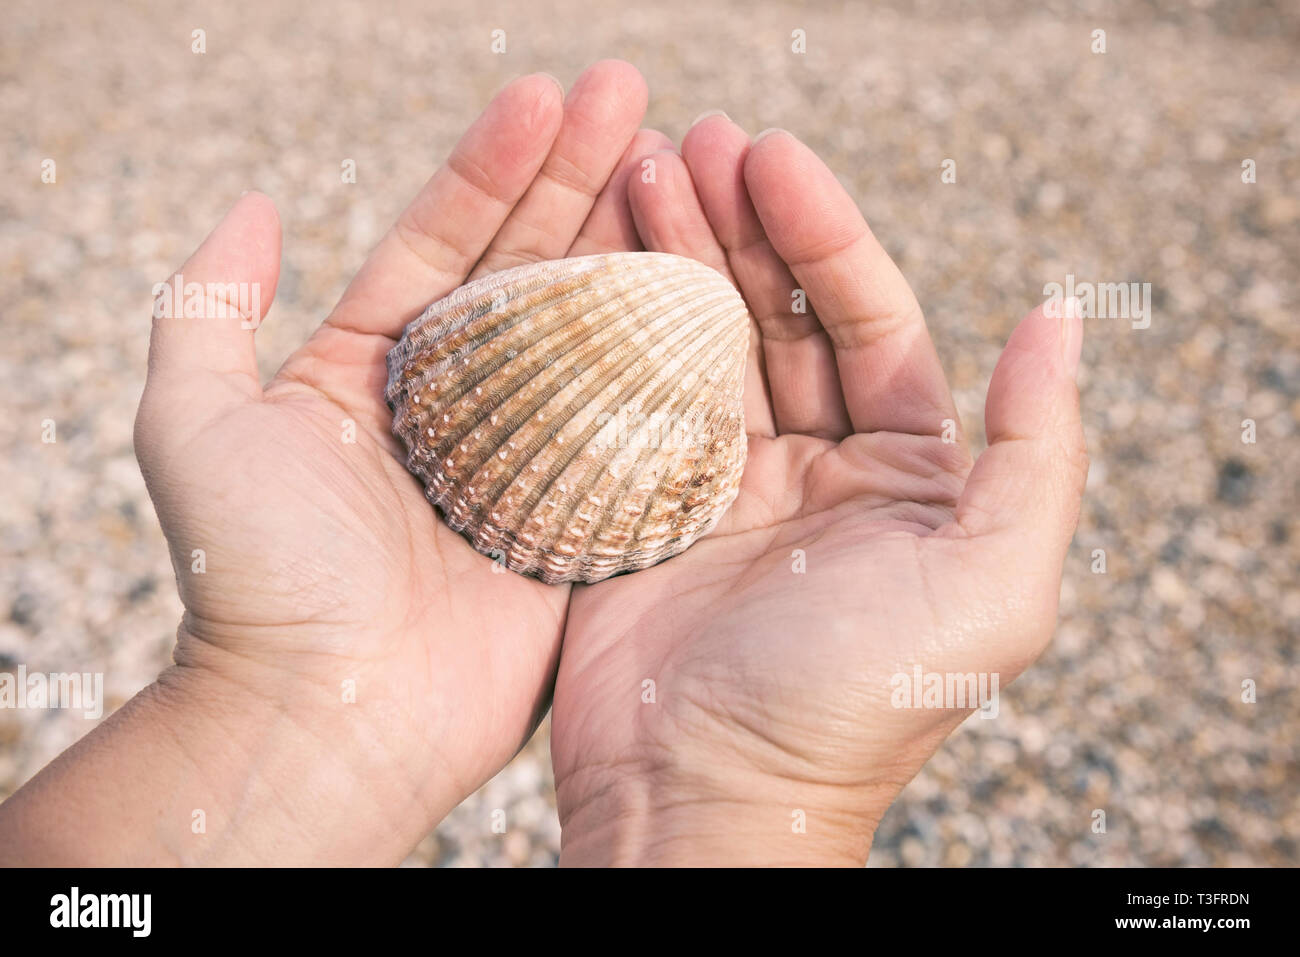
(225,762)
(743,821)
(291,772)
(340,765)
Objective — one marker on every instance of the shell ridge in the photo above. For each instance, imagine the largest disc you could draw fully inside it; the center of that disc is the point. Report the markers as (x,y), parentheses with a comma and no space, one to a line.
(505,324)
(664,329)
(645,513)
(428,328)
(507,431)
(535,554)
(687,401)
(640,392)
(466,385)
(667,332)
(407,425)
(546,335)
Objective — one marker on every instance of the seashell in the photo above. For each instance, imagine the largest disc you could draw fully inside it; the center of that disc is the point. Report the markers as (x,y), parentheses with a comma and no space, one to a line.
(580,417)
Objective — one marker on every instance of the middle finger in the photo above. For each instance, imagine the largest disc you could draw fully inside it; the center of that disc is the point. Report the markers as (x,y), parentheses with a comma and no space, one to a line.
(602,113)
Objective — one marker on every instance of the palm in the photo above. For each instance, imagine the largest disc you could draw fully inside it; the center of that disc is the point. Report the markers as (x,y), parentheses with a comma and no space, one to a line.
(728,628)
(382,593)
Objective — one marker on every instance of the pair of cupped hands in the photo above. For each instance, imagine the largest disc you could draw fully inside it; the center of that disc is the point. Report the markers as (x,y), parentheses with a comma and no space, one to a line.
(349,669)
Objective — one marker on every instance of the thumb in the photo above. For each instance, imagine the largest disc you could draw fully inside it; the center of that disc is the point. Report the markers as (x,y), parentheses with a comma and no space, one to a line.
(201,354)
(1025,490)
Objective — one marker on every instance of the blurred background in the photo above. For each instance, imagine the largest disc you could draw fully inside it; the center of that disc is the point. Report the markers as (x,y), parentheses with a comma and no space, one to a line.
(1122,166)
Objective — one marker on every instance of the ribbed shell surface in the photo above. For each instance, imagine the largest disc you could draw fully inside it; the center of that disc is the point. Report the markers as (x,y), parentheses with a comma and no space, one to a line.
(577,418)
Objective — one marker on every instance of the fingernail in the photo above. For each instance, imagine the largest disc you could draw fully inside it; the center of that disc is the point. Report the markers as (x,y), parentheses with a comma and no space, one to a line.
(769,131)
(1071,334)
(705,115)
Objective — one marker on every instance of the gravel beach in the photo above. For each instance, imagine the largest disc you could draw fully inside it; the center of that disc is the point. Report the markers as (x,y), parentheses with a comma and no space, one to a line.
(1128,166)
